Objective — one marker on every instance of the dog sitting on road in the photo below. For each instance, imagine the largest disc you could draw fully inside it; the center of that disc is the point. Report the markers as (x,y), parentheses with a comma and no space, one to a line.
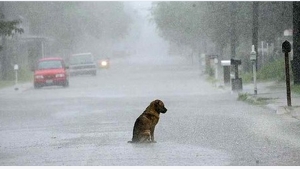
(143,130)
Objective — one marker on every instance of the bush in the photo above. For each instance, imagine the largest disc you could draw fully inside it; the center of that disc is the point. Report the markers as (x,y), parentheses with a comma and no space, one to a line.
(210,71)
(296,88)
(247,77)
(24,75)
(272,71)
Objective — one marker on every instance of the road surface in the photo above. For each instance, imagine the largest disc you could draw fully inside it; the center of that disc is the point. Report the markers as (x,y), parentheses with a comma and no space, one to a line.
(90,122)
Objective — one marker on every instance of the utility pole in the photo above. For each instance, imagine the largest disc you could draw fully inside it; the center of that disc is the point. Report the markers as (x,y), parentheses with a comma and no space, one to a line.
(296,42)
(233,29)
(255,6)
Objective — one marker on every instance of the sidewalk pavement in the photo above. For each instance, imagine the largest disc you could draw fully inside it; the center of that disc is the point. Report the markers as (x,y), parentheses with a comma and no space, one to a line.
(21,87)
(274,97)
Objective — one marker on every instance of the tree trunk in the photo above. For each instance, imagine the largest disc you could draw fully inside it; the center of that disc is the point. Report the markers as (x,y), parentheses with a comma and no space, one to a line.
(233,30)
(4,60)
(255,30)
(296,43)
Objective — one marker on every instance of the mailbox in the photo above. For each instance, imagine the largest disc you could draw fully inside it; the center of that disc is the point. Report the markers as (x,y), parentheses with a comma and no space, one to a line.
(235,61)
(236,83)
(286,47)
(225,62)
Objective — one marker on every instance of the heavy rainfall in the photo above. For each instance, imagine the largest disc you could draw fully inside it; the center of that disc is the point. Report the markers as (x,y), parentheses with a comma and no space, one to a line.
(75,77)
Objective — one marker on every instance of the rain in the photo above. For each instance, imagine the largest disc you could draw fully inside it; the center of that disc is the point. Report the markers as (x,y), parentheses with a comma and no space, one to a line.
(75,76)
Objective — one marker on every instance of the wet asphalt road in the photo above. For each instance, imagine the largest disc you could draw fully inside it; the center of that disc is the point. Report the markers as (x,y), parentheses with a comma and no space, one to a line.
(90,122)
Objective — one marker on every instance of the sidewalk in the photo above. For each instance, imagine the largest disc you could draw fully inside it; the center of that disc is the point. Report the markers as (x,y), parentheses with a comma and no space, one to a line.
(15,89)
(274,97)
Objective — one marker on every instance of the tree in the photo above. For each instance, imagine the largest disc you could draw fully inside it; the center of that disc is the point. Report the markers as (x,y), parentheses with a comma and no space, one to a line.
(296,43)
(70,22)
(7,28)
(180,22)
(189,22)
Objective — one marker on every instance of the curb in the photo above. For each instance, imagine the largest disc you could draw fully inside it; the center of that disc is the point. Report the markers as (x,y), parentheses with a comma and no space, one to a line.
(279,109)
(294,112)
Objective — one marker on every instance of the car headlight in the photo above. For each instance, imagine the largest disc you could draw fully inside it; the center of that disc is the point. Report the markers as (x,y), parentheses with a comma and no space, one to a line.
(60,75)
(104,63)
(39,76)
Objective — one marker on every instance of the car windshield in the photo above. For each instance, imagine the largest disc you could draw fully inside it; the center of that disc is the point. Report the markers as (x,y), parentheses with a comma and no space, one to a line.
(50,64)
(81,59)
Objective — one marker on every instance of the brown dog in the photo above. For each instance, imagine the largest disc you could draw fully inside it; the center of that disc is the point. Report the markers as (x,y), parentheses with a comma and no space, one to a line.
(143,130)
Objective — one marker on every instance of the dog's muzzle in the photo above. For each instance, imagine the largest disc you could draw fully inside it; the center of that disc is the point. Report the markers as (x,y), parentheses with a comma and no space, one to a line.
(164,110)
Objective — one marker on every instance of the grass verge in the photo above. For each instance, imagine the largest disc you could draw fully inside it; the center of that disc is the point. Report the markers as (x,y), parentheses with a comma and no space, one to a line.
(23,77)
(249,98)
(295,89)
(4,84)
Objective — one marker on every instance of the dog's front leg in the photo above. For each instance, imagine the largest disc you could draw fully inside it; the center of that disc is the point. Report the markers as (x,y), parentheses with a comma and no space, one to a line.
(152,135)
(145,137)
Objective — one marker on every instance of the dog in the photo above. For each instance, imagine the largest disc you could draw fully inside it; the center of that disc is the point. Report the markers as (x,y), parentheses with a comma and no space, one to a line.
(143,129)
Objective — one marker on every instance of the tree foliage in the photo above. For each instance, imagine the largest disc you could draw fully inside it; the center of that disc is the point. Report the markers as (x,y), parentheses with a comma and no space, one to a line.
(68,21)
(189,22)
(8,28)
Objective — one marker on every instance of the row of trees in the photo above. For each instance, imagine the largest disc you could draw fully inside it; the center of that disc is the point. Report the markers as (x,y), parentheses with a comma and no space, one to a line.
(67,22)
(197,24)
(73,26)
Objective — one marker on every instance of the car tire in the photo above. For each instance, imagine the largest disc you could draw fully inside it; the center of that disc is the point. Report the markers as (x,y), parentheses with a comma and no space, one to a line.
(66,84)
(37,86)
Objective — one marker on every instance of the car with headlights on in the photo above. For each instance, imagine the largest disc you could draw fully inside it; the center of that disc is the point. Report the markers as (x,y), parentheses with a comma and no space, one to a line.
(51,71)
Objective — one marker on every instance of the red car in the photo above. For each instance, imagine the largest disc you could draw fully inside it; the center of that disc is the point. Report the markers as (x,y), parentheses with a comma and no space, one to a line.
(51,72)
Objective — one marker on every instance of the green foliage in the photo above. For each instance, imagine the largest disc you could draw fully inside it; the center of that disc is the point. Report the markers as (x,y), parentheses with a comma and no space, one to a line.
(187,23)
(6,83)
(272,71)
(296,89)
(210,71)
(179,22)
(274,18)
(8,28)
(247,77)
(69,21)
(246,97)
(24,75)
(242,96)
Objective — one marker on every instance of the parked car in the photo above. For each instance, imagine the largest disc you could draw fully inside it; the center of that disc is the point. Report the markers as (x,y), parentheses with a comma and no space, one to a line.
(51,72)
(82,63)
